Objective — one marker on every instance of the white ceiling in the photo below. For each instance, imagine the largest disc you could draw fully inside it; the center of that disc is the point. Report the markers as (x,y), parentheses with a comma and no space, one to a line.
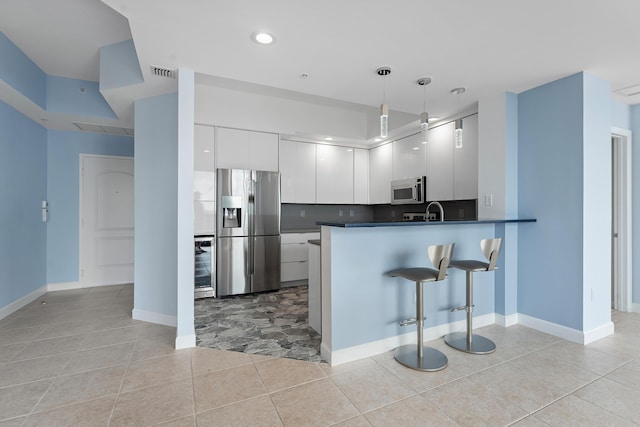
(487,46)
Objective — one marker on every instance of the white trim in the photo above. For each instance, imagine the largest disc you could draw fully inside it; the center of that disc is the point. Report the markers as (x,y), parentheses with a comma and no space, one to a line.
(625,229)
(21,302)
(559,331)
(506,321)
(597,333)
(635,307)
(361,351)
(150,316)
(63,286)
(185,341)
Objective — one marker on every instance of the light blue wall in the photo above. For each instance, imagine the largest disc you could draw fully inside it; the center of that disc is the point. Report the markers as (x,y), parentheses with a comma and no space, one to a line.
(596,148)
(119,65)
(156,154)
(620,116)
(635,171)
(63,177)
(76,97)
(17,70)
(23,185)
(550,186)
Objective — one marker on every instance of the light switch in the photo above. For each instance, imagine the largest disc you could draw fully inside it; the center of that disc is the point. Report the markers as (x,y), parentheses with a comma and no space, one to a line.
(488,199)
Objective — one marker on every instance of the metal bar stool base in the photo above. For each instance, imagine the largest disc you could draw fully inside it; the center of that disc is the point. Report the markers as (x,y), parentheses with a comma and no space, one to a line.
(432,360)
(478,345)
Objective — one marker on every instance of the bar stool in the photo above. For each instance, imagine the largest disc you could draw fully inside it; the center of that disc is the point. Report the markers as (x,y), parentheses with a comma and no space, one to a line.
(470,342)
(417,356)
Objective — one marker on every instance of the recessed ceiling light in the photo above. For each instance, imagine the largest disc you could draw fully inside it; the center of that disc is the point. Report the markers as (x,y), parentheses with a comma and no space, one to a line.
(206,151)
(328,138)
(262,38)
(416,148)
(433,119)
(377,139)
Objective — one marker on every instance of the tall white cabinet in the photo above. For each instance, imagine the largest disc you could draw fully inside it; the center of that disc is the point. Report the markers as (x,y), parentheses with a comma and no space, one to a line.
(204,173)
(297,172)
(244,149)
(380,167)
(334,174)
(409,157)
(360,176)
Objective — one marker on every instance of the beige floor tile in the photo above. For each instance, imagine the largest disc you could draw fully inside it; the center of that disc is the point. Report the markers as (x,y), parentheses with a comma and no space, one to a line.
(621,345)
(318,403)
(8,352)
(371,387)
(76,388)
(113,336)
(87,360)
(21,399)
(86,414)
(160,370)
(628,374)
(565,353)
(225,387)
(530,421)
(49,347)
(14,422)
(154,405)
(614,397)
(13,336)
(90,325)
(148,347)
(359,421)
(572,411)
(558,371)
(471,404)
(207,360)
(278,374)
(421,381)
(518,384)
(188,421)
(409,412)
(260,358)
(32,370)
(258,412)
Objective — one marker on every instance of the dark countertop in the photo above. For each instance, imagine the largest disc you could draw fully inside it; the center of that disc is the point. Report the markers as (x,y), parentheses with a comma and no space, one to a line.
(421,223)
(314,242)
(300,230)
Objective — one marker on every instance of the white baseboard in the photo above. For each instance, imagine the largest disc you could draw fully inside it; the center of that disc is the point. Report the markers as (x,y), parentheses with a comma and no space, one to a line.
(507,321)
(21,302)
(559,331)
(150,316)
(597,333)
(185,341)
(63,286)
(357,352)
(635,307)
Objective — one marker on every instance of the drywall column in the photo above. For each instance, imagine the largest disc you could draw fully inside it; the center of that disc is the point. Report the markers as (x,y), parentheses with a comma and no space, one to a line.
(156,190)
(634,112)
(185,333)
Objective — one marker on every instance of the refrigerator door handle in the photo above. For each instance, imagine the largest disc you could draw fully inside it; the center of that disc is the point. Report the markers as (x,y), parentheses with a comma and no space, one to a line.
(252,218)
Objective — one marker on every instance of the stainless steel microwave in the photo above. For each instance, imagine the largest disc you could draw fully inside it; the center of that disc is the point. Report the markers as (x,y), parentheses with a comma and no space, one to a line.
(410,191)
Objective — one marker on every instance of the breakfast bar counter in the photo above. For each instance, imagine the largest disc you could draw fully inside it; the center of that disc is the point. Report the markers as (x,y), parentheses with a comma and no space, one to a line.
(361,307)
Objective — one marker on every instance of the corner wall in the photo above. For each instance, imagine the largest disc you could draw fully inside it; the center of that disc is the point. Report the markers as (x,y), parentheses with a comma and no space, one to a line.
(634,113)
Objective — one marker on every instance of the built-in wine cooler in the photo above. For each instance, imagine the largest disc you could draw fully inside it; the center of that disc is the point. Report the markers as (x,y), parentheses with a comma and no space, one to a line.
(205,266)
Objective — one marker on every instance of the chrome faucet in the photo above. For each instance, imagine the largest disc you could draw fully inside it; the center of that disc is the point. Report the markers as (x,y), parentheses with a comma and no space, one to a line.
(439,207)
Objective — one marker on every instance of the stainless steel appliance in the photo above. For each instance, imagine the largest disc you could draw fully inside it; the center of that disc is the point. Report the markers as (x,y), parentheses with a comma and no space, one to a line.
(409,191)
(204,268)
(247,231)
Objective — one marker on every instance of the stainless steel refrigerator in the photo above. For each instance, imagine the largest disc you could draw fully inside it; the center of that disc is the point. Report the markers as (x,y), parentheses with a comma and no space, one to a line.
(248,231)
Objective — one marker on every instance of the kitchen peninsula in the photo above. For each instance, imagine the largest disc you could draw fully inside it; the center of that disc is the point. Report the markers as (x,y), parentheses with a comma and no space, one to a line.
(361,308)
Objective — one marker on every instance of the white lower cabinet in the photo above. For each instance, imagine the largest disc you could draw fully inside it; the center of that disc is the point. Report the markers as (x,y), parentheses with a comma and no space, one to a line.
(294,255)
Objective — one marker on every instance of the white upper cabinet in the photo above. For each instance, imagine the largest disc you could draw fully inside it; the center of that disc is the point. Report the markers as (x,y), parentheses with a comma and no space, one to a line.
(360,176)
(465,162)
(334,174)
(203,163)
(380,166)
(440,163)
(243,149)
(409,157)
(297,172)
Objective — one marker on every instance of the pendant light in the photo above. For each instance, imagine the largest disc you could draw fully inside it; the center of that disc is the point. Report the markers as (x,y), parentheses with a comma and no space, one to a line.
(384,108)
(458,123)
(424,116)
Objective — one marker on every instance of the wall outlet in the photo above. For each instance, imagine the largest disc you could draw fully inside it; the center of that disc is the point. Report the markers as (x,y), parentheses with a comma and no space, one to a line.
(352,212)
(302,213)
(340,212)
(460,213)
(488,199)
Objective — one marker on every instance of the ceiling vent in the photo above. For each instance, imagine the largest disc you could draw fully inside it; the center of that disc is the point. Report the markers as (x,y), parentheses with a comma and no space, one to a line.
(112,130)
(163,72)
(629,91)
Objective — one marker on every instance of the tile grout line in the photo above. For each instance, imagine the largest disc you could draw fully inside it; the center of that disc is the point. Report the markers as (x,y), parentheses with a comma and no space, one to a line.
(124,377)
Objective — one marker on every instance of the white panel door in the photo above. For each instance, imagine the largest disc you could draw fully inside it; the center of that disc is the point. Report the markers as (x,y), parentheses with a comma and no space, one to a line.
(106,220)
(440,163)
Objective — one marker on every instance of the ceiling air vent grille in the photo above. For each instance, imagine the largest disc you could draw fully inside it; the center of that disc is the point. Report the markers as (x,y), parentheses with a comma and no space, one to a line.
(629,91)
(163,72)
(113,130)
